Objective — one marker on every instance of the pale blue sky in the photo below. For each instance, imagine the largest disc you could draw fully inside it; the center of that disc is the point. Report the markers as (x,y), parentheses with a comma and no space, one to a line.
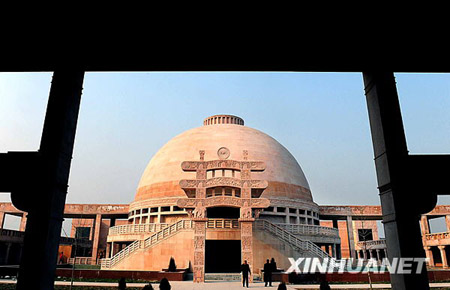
(320,117)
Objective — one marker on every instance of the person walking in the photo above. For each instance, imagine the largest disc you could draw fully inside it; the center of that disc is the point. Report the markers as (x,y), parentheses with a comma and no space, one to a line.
(274,265)
(61,258)
(245,269)
(267,274)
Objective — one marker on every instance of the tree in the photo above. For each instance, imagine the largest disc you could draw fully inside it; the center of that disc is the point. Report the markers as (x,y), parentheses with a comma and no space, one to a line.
(172,265)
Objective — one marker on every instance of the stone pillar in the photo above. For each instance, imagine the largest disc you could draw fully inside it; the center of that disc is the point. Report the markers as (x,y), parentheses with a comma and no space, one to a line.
(365,254)
(95,242)
(378,254)
(370,254)
(447,222)
(199,249)
(385,253)
(112,250)
(335,224)
(443,256)
(247,244)
(246,219)
(429,255)
(23,222)
(108,250)
(8,249)
(333,251)
(2,219)
(425,225)
(327,249)
(338,251)
(199,225)
(351,241)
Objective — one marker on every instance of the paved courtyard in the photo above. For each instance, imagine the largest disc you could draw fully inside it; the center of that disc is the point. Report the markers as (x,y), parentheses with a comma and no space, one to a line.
(188,285)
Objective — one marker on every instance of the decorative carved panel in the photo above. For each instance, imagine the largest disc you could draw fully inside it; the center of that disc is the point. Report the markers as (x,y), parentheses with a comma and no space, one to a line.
(223,201)
(223,181)
(223,164)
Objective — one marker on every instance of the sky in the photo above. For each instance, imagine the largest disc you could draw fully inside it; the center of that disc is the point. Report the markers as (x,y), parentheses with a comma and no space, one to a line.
(321,118)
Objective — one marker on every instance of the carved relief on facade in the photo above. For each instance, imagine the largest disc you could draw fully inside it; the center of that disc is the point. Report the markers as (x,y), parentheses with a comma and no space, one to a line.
(246,211)
(199,211)
(246,193)
(257,212)
(246,243)
(201,174)
(223,201)
(198,274)
(199,258)
(260,202)
(189,212)
(246,229)
(199,242)
(189,183)
(224,181)
(223,164)
(187,202)
(199,228)
(200,193)
(245,174)
(223,153)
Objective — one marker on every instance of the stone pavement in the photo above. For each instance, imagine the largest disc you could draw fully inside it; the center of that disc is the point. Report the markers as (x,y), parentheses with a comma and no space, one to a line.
(188,285)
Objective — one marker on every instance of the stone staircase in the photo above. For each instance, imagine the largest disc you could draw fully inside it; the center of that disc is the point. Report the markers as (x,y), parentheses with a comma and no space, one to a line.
(291,239)
(167,232)
(154,239)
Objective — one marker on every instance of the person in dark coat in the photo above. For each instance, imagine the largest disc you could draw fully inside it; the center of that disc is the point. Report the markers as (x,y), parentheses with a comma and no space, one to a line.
(282,286)
(324,285)
(164,284)
(122,284)
(274,265)
(267,274)
(245,269)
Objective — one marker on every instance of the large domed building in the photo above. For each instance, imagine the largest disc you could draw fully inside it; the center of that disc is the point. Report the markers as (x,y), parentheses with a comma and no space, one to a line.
(220,186)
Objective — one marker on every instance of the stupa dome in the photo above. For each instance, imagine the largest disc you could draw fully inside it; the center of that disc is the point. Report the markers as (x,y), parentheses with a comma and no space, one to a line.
(160,180)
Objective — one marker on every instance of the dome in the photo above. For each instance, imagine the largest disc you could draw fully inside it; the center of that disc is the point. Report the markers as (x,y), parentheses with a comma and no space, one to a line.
(162,175)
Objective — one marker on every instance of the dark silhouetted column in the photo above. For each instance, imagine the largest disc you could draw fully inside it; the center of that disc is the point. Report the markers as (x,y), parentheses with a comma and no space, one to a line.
(45,197)
(403,196)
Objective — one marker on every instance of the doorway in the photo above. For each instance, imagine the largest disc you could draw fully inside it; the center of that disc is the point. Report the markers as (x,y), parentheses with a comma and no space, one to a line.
(222,256)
